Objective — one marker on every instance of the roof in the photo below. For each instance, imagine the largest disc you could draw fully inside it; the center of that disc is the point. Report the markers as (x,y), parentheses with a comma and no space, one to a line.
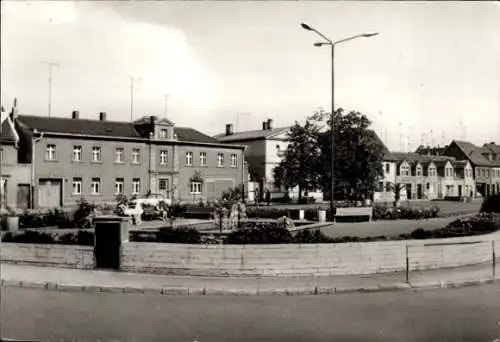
(107,128)
(414,158)
(9,133)
(473,152)
(493,147)
(192,135)
(80,126)
(251,135)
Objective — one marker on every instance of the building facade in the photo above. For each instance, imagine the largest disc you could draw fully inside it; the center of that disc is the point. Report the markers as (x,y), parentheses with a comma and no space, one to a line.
(264,150)
(97,160)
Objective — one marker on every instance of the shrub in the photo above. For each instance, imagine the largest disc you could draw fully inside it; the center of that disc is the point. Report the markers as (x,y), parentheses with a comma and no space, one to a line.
(306,200)
(177,210)
(178,235)
(311,236)
(82,238)
(384,212)
(29,237)
(259,233)
(491,204)
(82,214)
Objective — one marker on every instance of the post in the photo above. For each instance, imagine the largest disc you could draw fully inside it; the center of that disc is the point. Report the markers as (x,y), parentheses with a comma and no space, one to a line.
(332,135)
(407,265)
(32,190)
(494,258)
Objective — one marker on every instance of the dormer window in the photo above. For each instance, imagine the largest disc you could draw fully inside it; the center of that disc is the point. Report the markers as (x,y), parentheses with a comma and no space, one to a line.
(405,170)
(419,171)
(432,171)
(163,133)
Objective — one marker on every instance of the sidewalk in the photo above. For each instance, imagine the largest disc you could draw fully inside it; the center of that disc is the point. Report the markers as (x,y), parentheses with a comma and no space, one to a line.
(108,281)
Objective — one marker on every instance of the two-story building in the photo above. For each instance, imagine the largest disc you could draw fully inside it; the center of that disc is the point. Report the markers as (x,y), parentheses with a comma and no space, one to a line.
(100,159)
(264,151)
(427,176)
(482,161)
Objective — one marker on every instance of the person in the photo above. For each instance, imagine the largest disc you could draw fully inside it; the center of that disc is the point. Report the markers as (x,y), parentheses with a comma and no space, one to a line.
(257,196)
(268,197)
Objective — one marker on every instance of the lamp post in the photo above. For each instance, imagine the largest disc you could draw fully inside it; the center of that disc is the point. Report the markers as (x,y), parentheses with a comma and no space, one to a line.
(332,44)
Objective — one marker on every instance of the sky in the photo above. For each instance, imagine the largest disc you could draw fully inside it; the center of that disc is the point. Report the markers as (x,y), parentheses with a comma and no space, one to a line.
(435,66)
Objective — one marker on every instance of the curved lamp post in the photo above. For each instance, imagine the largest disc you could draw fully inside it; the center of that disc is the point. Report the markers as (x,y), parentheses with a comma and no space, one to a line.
(332,44)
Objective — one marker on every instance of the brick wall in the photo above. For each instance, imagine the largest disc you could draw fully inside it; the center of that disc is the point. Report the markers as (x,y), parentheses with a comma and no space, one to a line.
(306,259)
(81,257)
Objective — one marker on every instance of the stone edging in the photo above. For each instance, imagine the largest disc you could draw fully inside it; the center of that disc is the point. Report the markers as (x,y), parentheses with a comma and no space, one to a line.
(256,291)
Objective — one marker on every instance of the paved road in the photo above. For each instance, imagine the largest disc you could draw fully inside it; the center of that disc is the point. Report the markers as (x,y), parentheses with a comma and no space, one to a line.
(465,314)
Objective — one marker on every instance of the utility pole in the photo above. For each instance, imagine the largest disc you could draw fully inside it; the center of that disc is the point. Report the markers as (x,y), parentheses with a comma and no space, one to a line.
(50,64)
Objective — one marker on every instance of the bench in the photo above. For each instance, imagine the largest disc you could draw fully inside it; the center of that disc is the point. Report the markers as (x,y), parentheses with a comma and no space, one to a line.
(354,212)
(199,212)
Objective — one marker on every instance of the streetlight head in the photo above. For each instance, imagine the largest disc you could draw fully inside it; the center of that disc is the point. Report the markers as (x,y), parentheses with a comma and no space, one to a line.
(318,44)
(367,35)
(306,27)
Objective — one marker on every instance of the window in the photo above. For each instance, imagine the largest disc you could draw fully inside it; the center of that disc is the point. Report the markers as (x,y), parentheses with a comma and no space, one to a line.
(95,186)
(234,160)
(119,183)
(381,186)
(432,171)
(96,154)
(487,173)
(77,153)
(163,157)
(427,186)
(203,158)
(388,187)
(119,155)
(189,158)
(77,186)
(136,156)
(405,170)
(387,168)
(419,171)
(196,187)
(50,152)
(163,184)
(136,186)
(163,133)
(220,160)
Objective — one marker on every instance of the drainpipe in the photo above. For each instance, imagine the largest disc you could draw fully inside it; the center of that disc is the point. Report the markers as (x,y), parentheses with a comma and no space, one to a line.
(33,159)
(243,175)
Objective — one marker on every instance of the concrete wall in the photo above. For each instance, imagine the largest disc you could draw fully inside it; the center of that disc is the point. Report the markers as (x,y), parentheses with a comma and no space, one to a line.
(81,257)
(306,259)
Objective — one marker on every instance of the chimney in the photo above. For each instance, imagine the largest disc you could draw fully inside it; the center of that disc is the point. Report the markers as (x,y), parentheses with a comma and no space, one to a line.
(13,114)
(153,119)
(269,123)
(229,129)
(102,116)
(264,125)
(75,114)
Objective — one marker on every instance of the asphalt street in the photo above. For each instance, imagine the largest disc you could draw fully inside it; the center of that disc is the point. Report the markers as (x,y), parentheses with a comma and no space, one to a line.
(464,314)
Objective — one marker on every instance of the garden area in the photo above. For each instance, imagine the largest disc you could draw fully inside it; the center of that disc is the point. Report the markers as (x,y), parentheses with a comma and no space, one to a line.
(247,229)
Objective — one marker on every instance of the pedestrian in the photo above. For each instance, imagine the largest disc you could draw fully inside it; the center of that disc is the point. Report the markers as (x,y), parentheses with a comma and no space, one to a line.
(256,194)
(268,197)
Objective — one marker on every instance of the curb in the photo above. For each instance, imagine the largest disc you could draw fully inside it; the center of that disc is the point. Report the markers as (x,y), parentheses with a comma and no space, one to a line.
(204,291)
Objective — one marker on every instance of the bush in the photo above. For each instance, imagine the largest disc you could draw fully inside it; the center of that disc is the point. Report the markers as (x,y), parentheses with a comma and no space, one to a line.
(491,204)
(178,235)
(82,238)
(384,212)
(306,200)
(177,210)
(29,237)
(311,236)
(82,214)
(259,233)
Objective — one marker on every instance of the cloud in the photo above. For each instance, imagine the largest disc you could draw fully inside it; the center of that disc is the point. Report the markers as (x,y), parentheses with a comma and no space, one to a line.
(98,52)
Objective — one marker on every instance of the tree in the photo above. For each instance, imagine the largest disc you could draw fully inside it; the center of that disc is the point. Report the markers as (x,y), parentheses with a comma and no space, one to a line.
(397,188)
(358,154)
(301,163)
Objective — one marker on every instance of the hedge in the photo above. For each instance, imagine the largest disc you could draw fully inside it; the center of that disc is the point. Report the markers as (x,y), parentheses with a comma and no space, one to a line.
(491,204)
(84,238)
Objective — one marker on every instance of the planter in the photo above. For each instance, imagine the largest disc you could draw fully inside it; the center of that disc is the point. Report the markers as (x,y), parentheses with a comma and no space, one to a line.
(12,223)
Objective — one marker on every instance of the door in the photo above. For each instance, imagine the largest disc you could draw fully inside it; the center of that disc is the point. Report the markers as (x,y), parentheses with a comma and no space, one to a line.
(23,196)
(107,246)
(419,191)
(408,191)
(459,191)
(49,193)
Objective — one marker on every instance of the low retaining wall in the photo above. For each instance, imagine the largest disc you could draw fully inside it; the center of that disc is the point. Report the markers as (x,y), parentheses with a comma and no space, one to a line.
(307,259)
(70,256)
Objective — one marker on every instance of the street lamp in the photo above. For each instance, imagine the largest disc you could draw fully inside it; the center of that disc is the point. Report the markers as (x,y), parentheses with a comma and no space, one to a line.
(332,45)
